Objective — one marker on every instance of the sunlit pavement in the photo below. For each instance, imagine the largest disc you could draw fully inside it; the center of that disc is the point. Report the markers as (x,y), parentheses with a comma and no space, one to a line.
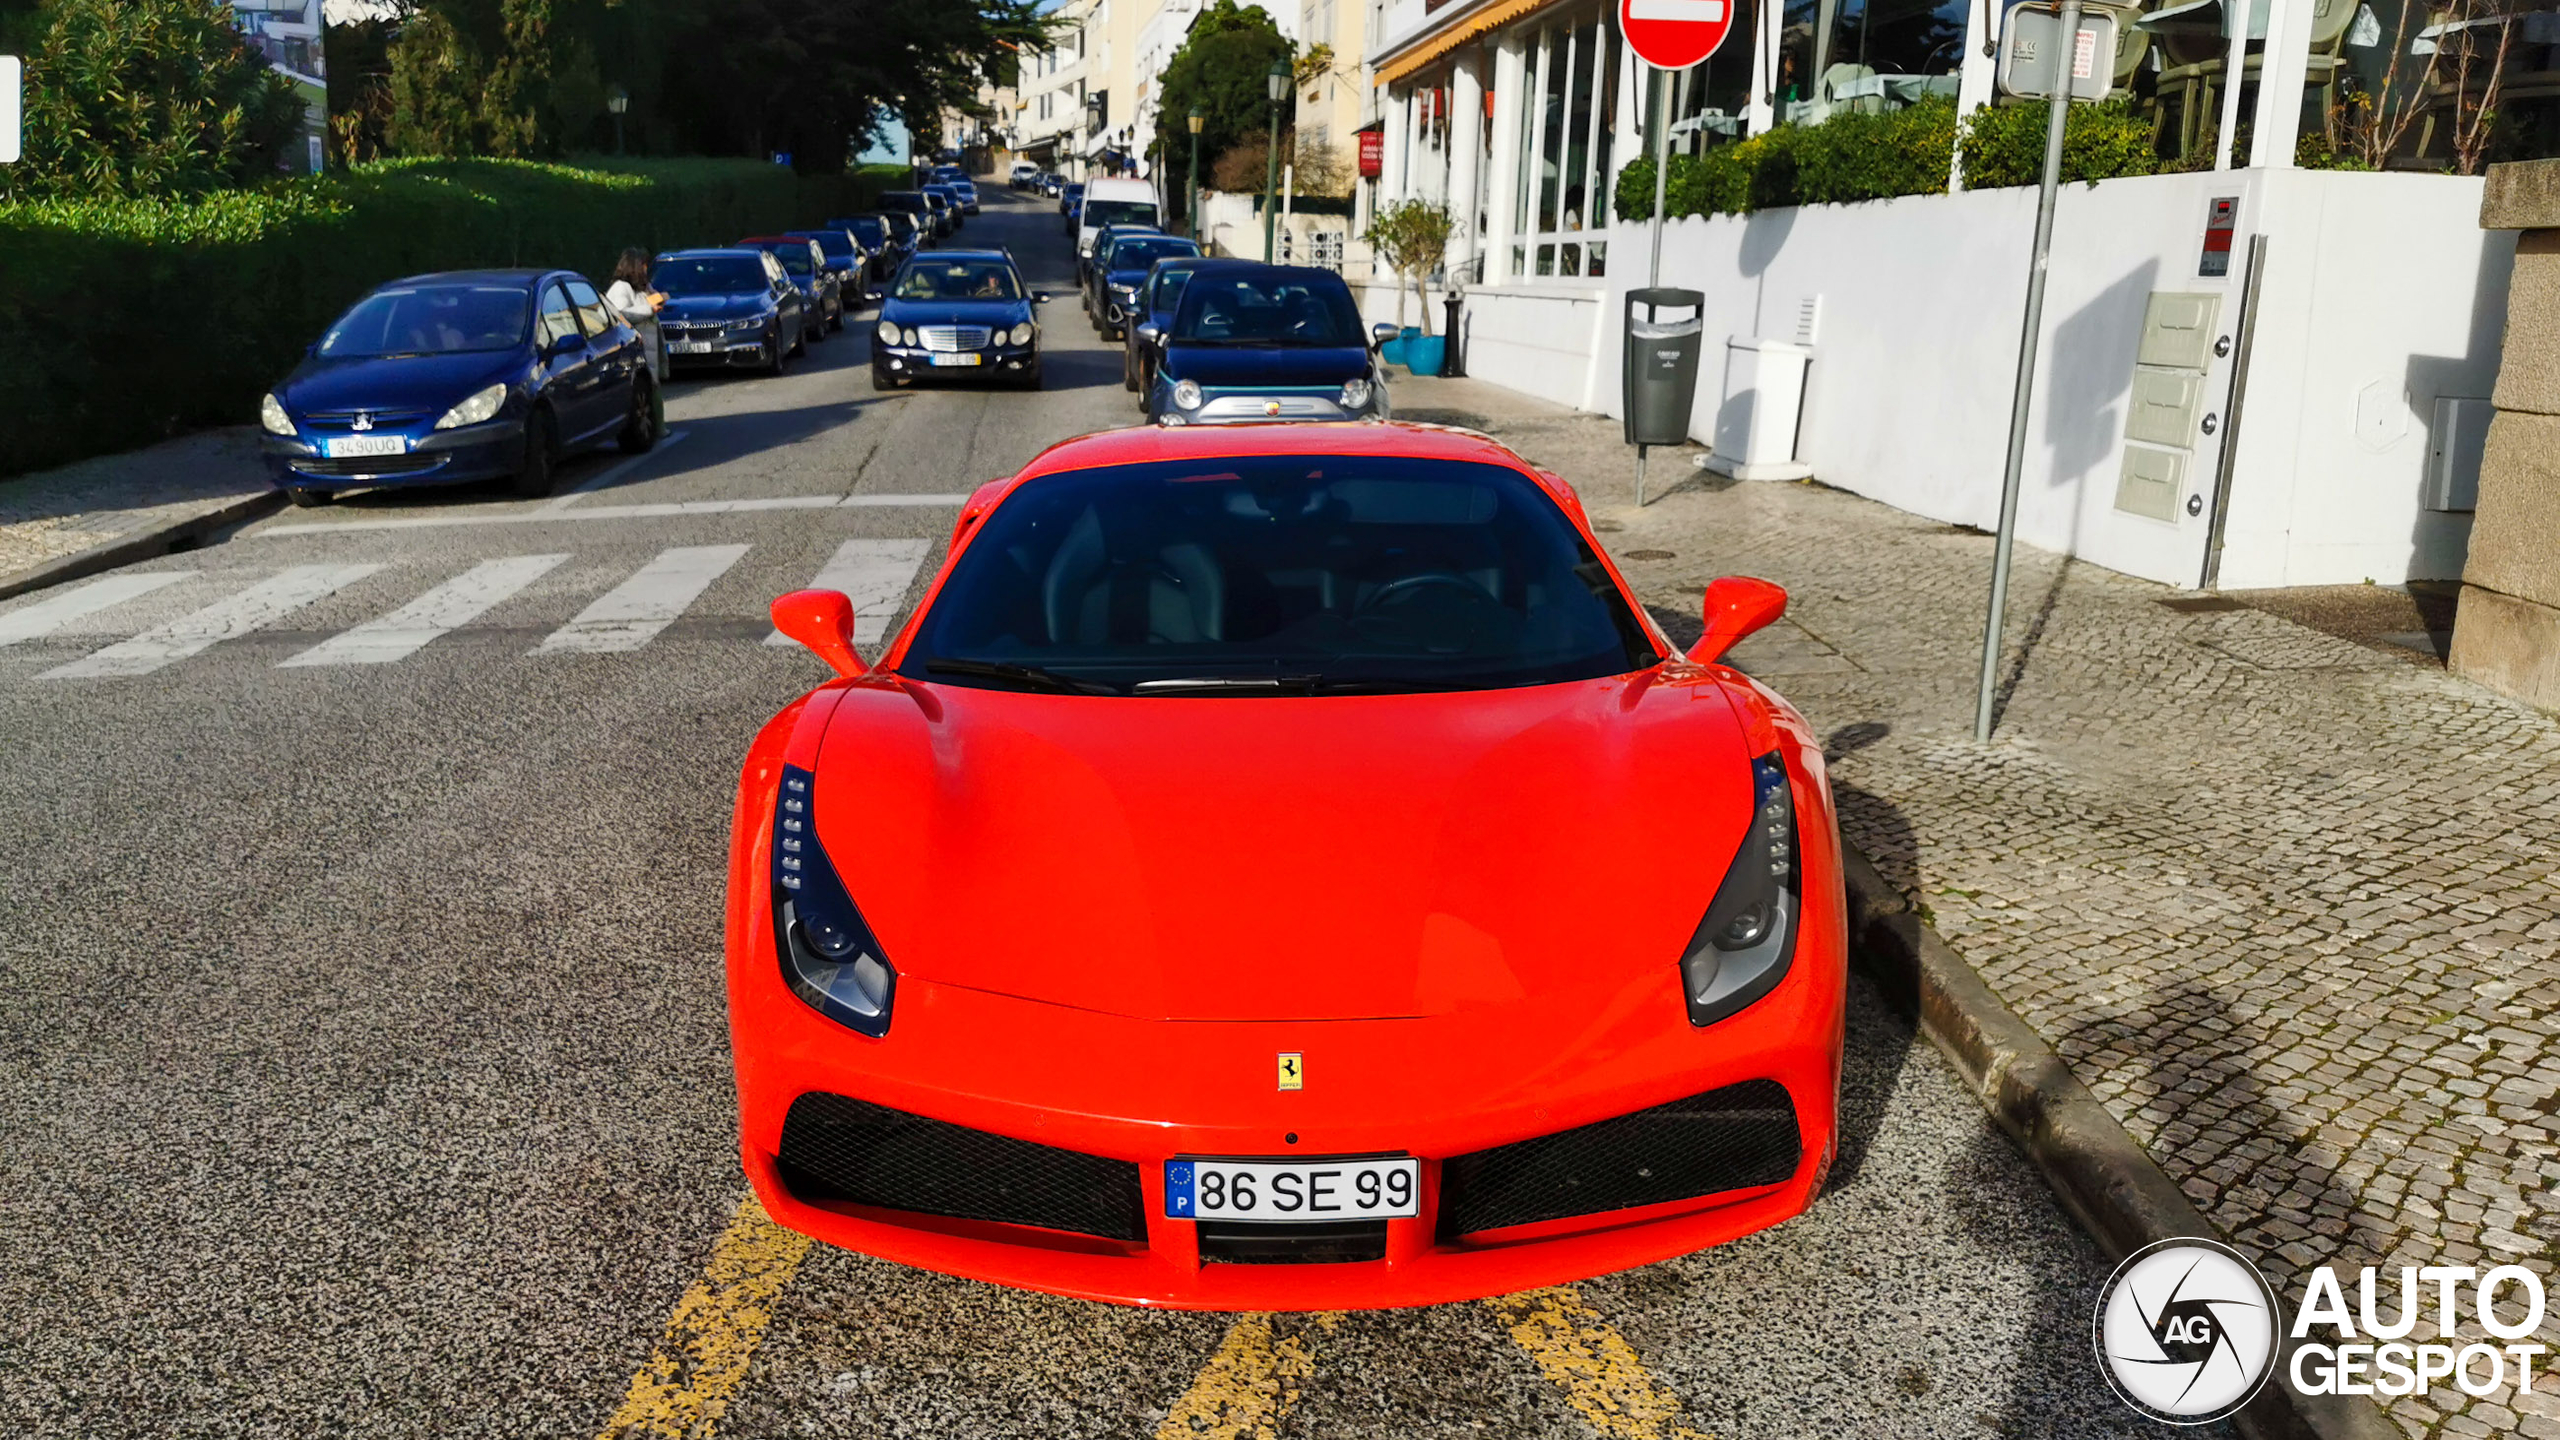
(364,1065)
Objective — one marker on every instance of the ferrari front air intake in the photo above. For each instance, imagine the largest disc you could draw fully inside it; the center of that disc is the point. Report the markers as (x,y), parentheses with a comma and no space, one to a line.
(1735,1138)
(836,1148)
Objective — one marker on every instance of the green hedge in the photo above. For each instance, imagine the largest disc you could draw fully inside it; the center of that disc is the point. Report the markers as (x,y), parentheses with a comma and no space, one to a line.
(124,322)
(1902,152)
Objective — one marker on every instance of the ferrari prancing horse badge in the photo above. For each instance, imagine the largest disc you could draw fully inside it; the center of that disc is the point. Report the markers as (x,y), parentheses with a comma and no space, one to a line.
(1293,1070)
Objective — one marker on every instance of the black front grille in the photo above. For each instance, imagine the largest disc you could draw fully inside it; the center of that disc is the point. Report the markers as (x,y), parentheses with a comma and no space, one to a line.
(838,1148)
(413,463)
(1731,1139)
(382,419)
(1315,1242)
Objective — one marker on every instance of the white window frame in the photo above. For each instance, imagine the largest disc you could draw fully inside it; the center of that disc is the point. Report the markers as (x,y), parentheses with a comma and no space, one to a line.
(1539,243)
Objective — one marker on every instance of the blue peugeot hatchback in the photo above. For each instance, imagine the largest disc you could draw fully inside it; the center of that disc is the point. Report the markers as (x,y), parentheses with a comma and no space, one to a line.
(467,375)
(957,312)
(1250,341)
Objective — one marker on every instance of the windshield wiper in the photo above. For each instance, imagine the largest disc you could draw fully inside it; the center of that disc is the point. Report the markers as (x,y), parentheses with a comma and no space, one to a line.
(1023,674)
(1195,684)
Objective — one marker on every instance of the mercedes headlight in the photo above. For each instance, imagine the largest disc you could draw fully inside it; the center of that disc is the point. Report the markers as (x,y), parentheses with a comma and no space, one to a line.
(1186,393)
(830,958)
(483,405)
(1021,333)
(887,334)
(907,336)
(271,415)
(1355,394)
(1742,948)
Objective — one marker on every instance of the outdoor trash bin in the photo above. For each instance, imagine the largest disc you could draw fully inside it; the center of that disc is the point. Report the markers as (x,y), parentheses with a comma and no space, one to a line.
(1662,364)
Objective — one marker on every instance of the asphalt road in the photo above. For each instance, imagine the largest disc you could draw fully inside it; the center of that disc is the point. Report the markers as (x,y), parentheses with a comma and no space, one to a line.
(364,1067)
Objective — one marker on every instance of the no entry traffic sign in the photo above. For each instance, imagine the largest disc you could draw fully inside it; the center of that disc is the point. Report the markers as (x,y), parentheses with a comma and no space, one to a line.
(1675,34)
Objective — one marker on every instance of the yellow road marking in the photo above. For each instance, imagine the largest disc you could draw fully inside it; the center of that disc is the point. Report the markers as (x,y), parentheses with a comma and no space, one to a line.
(702,1359)
(1597,1368)
(1248,1387)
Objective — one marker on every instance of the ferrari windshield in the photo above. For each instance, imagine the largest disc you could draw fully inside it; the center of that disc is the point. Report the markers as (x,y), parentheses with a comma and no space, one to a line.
(1277,574)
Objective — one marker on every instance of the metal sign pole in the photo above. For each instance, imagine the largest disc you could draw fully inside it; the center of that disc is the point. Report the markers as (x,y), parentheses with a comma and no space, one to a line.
(2058,110)
(1657,95)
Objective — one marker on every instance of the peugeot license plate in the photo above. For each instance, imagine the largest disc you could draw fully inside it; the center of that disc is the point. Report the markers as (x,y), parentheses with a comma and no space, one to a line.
(346,447)
(970,359)
(1377,1188)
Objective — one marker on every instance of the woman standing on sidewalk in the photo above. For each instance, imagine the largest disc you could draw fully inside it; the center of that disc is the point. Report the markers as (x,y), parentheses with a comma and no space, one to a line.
(637,304)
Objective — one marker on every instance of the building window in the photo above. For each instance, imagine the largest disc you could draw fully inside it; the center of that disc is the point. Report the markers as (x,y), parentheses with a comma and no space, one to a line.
(1572,75)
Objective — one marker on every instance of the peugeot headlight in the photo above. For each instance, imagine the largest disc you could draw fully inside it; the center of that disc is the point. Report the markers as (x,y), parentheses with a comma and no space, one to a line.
(887,334)
(483,405)
(1186,393)
(1021,333)
(1742,948)
(830,958)
(1355,394)
(271,415)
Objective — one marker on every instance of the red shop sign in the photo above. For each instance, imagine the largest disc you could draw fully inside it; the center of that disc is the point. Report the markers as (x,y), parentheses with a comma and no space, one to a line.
(1373,154)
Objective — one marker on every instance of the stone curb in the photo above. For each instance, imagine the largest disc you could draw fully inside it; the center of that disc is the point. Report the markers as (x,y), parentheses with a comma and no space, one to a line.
(2103,1175)
(141,544)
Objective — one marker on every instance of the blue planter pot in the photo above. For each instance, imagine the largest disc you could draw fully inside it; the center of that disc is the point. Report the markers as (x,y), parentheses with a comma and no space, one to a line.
(1393,350)
(1424,354)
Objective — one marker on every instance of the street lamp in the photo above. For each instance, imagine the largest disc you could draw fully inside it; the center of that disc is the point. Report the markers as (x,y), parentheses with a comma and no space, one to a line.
(1279,84)
(617,100)
(1192,196)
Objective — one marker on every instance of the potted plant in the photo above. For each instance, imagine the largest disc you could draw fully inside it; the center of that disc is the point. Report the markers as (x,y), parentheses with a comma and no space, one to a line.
(1413,238)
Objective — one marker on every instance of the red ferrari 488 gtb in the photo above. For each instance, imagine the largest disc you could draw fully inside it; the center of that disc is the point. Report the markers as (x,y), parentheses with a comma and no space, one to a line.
(1283,867)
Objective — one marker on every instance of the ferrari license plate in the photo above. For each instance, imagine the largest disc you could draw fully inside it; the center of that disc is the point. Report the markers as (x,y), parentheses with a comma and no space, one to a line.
(344,447)
(1276,1191)
(688,347)
(958,359)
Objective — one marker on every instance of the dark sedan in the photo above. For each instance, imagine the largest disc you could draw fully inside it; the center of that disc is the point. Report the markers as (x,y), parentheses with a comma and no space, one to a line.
(734,306)
(947,201)
(1117,272)
(1158,294)
(887,243)
(821,295)
(1071,205)
(1265,342)
(470,375)
(847,258)
(929,217)
(957,312)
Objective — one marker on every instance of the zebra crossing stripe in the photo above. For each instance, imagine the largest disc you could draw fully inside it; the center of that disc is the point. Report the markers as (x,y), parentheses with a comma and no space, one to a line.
(258,606)
(47,616)
(874,574)
(632,613)
(455,603)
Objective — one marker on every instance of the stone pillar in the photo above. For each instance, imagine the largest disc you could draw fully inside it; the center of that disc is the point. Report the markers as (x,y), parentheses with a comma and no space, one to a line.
(2507,633)
(1398,130)
(1503,182)
(1976,74)
(2283,67)
(1466,154)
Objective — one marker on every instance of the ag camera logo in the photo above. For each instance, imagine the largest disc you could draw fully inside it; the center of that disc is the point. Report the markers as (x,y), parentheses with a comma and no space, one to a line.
(2186,1331)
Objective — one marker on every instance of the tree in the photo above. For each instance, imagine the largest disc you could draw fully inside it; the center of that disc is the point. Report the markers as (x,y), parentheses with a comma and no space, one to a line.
(135,98)
(1223,71)
(1319,169)
(1413,238)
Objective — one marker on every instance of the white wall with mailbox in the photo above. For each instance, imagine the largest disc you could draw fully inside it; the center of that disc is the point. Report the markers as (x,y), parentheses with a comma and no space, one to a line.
(2381,298)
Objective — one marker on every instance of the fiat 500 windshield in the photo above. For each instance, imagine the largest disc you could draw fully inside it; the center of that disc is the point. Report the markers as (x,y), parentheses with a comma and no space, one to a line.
(1307,575)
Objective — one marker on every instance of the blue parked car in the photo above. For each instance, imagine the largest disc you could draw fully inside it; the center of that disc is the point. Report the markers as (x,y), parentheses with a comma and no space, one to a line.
(1150,318)
(731,306)
(961,185)
(1121,259)
(467,375)
(1251,341)
(957,312)
(888,241)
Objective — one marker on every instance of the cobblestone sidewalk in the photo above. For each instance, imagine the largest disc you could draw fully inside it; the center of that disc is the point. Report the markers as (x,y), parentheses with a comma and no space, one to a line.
(2287,903)
(107,501)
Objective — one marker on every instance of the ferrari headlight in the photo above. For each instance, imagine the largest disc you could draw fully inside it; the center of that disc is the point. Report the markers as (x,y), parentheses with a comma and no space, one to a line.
(830,958)
(1186,393)
(1022,333)
(483,405)
(1355,394)
(887,334)
(1742,948)
(271,415)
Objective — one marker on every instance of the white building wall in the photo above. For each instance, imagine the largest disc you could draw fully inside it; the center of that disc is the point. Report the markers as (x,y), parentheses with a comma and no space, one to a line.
(2381,294)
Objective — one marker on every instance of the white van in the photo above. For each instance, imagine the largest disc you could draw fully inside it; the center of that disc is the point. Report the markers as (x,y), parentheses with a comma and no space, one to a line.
(1113,202)
(1024,172)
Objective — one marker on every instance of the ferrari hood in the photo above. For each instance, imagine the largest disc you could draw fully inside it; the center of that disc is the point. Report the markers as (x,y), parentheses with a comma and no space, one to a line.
(1285,858)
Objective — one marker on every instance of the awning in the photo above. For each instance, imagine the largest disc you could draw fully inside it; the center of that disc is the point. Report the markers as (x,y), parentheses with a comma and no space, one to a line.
(2203,17)
(1492,17)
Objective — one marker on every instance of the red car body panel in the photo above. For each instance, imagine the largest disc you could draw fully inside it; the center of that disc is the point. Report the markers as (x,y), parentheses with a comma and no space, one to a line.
(1109,915)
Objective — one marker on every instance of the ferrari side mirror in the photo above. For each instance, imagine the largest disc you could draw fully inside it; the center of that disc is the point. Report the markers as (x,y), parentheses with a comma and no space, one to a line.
(1737,605)
(822,621)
